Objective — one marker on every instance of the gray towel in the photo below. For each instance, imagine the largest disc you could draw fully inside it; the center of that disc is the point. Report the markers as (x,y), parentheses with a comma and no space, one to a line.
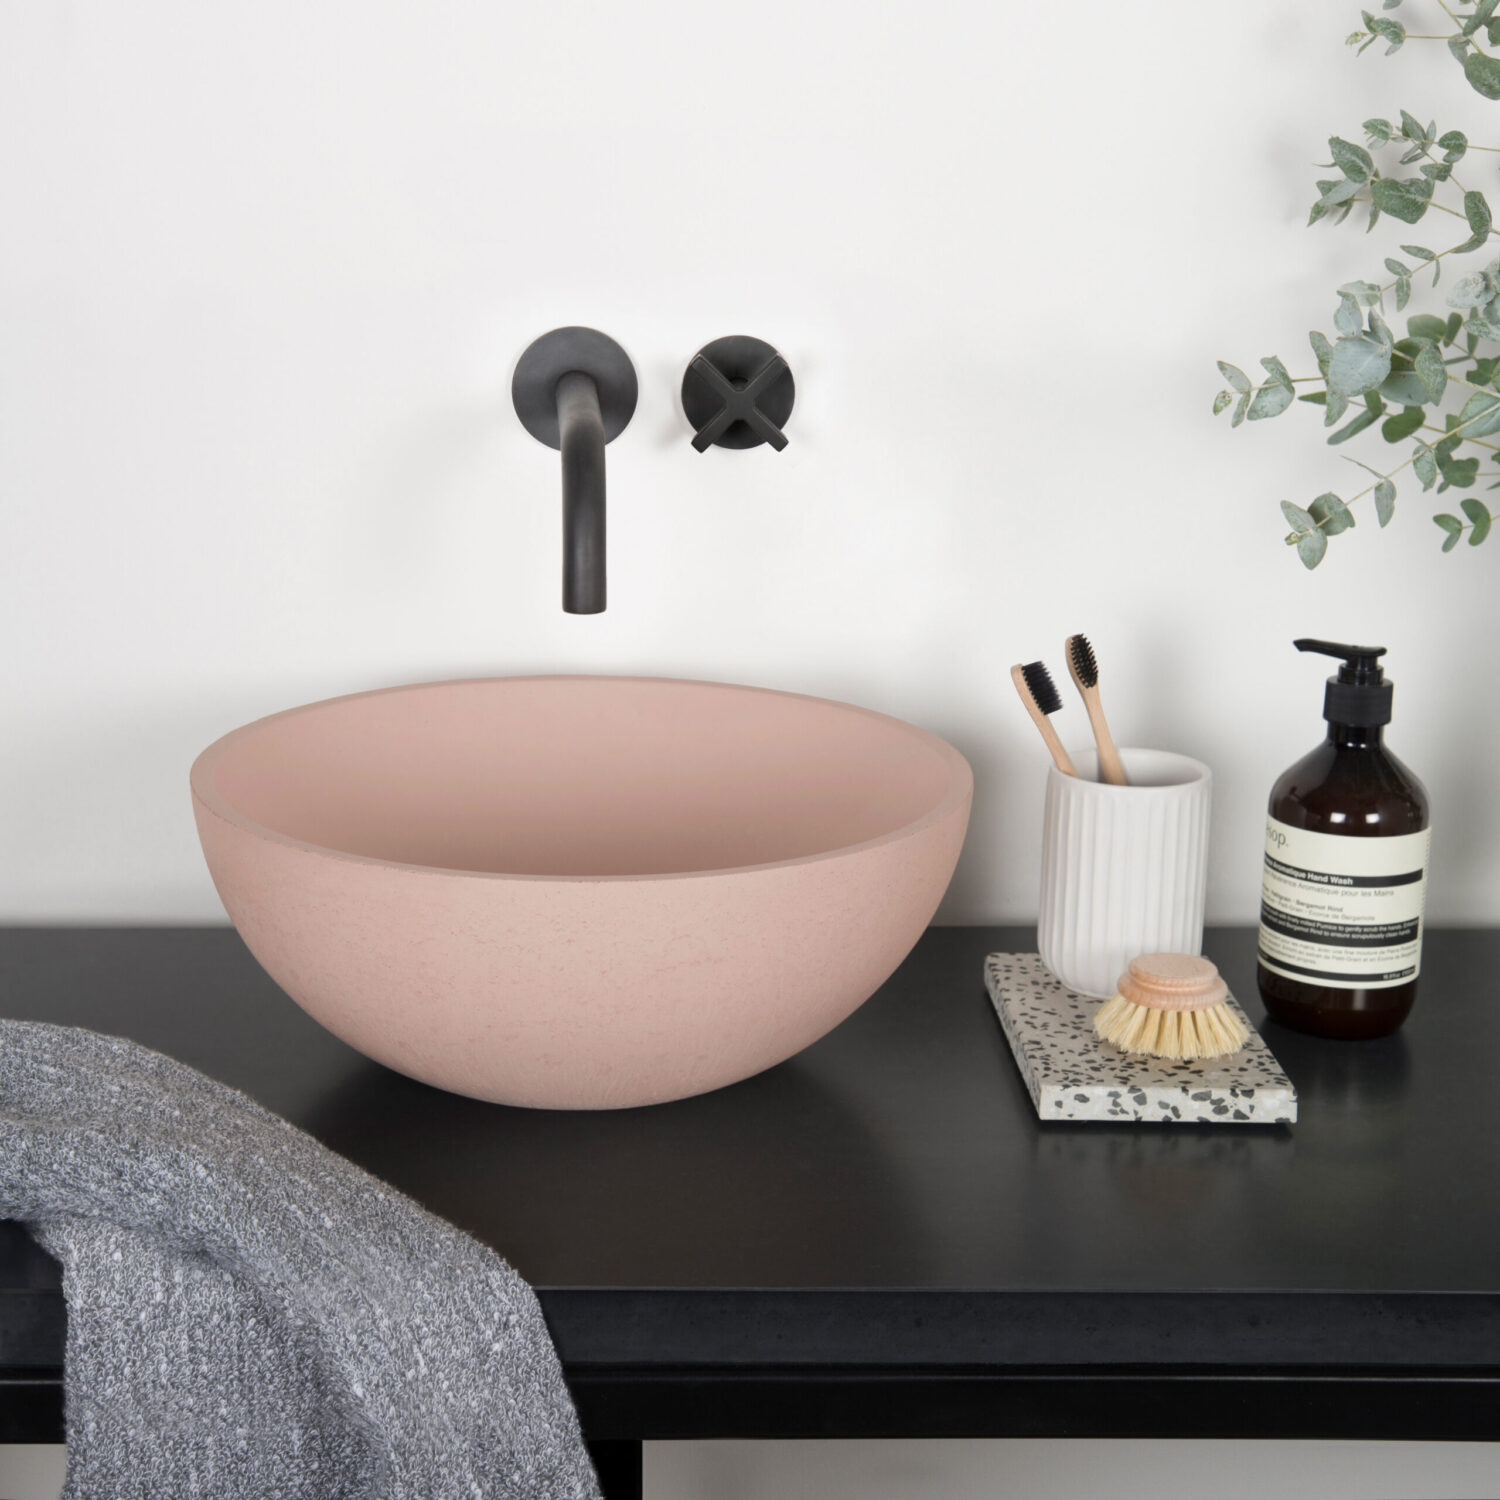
(252,1315)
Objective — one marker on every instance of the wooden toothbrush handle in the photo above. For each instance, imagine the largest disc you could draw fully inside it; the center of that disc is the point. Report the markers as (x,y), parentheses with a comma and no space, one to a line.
(1110,768)
(1059,755)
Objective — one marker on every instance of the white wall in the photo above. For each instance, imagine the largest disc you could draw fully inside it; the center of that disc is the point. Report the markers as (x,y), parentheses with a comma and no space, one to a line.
(266,269)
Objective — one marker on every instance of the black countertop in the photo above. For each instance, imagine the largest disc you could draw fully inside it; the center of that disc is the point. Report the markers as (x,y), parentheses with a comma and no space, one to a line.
(887,1202)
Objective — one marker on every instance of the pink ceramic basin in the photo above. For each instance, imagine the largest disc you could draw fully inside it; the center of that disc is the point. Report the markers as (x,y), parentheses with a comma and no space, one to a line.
(580,892)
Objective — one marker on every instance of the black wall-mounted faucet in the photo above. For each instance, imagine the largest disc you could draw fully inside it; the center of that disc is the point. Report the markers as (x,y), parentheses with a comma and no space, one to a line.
(575,389)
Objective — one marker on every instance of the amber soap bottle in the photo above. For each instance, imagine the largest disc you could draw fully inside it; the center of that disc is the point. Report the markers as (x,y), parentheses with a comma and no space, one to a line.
(1345,877)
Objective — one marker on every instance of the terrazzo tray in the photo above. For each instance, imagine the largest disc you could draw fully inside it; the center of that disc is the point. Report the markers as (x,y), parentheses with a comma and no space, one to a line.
(1072,1075)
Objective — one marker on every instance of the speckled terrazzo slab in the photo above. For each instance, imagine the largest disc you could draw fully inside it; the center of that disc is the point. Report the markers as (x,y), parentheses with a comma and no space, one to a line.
(1072,1075)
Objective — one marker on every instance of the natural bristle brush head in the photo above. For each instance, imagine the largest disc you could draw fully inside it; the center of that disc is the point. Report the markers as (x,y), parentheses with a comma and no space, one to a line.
(1081,655)
(1171,1005)
(1043,690)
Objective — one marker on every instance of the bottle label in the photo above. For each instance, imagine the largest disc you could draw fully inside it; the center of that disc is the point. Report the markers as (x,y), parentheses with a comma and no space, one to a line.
(1343,911)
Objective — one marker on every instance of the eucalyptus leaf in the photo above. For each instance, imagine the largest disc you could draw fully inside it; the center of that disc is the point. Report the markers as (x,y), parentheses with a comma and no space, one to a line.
(1270,401)
(1480,415)
(1356,425)
(1411,127)
(1405,387)
(1360,363)
(1297,518)
(1432,372)
(1458,473)
(1348,318)
(1365,293)
(1378,130)
(1400,197)
(1331,514)
(1385,502)
(1311,546)
(1472,291)
(1331,194)
(1241,407)
(1454,144)
(1482,12)
(1336,405)
(1420,251)
(1485,321)
(1477,212)
(1223,401)
(1479,519)
(1278,372)
(1453,527)
(1425,326)
(1353,161)
(1483,73)
(1322,350)
(1235,376)
(1406,421)
(1403,292)
(1425,467)
(1397,267)
(1459,47)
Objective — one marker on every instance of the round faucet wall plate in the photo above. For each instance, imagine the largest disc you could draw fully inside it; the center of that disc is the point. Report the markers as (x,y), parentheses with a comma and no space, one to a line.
(533,388)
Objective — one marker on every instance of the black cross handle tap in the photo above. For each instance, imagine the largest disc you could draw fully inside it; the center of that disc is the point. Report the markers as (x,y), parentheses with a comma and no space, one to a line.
(738,393)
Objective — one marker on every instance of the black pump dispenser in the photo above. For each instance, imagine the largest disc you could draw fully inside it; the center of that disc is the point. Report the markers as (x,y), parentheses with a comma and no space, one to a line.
(1359,696)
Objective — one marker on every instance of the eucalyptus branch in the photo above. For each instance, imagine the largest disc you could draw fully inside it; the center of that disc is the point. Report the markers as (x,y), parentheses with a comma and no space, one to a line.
(1482,70)
(1368,374)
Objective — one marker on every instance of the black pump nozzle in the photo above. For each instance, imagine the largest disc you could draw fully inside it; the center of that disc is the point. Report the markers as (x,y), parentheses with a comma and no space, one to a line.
(1359,695)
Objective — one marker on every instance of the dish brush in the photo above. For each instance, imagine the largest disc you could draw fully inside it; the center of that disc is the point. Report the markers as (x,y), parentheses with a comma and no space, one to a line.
(1171,1005)
(1041,697)
(1085,670)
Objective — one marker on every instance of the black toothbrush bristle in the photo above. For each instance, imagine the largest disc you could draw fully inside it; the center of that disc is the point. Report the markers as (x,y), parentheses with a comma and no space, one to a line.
(1083,660)
(1040,685)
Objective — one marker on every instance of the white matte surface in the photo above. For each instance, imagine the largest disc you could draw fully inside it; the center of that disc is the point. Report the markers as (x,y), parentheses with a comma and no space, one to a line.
(267,266)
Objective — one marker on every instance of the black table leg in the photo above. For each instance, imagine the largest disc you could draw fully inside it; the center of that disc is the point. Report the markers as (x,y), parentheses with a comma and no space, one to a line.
(617,1461)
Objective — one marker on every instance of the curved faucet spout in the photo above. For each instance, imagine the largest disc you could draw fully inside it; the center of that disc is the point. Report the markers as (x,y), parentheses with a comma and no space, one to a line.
(575,389)
(581,430)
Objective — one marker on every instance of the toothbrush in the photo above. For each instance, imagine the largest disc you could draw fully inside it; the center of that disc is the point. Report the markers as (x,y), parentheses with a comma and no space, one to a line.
(1034,684)
(1085,672)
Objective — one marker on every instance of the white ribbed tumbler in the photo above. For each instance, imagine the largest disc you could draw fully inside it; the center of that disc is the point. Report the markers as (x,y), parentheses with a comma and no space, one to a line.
(1123,867)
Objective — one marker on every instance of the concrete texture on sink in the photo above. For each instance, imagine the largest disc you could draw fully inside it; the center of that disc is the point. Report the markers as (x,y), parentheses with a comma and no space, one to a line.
(580,892)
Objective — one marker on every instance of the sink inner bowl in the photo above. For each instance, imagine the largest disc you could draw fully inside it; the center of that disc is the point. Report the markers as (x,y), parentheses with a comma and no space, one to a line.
(631,777)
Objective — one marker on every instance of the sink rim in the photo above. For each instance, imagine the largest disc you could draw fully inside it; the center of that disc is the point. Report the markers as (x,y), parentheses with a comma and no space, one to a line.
(200,777)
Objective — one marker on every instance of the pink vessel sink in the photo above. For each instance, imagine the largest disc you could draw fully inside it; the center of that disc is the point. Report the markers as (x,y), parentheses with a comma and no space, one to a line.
(580,892)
